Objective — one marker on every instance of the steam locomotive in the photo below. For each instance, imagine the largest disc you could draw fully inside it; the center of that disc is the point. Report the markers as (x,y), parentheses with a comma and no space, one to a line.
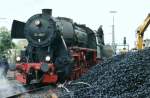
(58,49)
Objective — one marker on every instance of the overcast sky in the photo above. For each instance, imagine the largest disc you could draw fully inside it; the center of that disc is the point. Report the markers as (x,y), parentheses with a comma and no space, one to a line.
(130,14)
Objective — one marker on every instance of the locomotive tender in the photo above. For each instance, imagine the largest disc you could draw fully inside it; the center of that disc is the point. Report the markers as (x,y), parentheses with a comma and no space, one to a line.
(58,49)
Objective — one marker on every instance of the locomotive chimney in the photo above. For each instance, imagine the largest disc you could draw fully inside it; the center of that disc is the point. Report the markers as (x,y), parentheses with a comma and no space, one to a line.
(47,12)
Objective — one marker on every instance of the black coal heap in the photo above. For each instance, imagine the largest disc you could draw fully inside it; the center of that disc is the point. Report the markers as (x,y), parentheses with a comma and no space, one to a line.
(123,76)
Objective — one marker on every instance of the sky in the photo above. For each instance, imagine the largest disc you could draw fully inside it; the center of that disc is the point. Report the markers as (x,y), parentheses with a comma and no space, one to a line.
(130,14)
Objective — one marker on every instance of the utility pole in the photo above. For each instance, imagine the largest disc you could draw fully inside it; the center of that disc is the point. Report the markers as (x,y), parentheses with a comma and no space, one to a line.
(113,32)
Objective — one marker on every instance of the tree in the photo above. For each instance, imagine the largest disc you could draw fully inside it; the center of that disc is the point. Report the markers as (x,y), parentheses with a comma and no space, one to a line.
(5,42)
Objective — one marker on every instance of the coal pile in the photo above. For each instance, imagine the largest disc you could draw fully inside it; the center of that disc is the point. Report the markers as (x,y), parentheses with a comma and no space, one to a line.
(123,76)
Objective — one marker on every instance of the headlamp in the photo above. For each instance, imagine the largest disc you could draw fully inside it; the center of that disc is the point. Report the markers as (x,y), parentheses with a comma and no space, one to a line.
(47,58)
(18,59)
(37,22)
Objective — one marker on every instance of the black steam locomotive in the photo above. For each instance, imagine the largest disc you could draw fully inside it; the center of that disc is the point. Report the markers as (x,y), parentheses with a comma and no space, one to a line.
(58,49)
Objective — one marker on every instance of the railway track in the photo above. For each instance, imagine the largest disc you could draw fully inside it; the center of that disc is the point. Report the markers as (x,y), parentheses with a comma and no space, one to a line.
(37,90)
(10,88)
(29,89)
(50,91)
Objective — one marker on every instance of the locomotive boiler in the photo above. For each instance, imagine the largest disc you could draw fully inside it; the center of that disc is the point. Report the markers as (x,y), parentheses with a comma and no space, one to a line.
(58,49)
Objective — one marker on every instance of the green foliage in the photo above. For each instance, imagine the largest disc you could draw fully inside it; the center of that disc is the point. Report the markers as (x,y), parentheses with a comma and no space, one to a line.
(5,42)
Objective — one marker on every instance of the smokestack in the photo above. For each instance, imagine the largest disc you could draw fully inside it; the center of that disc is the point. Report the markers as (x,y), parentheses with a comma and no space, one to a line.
(47,12)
